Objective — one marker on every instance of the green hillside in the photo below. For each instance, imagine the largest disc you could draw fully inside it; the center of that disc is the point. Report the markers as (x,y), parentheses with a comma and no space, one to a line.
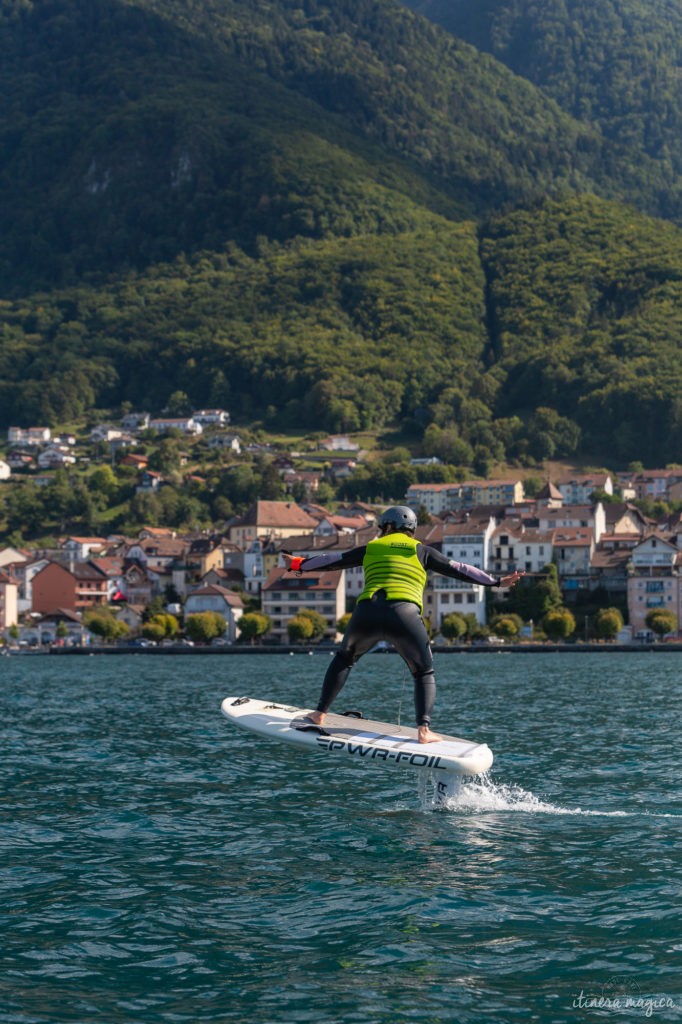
(586,307)
(328,216)
(615,64)
(329,333)
(134,131)
(572,308)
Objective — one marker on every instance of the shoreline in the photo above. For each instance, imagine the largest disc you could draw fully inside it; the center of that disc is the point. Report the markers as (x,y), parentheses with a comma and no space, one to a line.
(264,650)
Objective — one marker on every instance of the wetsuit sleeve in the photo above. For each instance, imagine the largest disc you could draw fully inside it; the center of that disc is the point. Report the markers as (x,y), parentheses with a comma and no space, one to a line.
(332,560)
(432,559)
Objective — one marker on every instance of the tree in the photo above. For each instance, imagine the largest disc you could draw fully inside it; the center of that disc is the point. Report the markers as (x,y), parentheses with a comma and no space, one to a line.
(318,622)
(550,434)
(202,627)
(423,516)
(222,509)
(532,486)
(153,631)
(166,456)
(447,445)
(453,626)
(559,624)
(608,623)
(104,484)
(325,493)
(25,512)
(533,598)
(298,492)
(507,625)
(161,626)
(103,623)
(299,629)
(661,621)
(271,487)
(170,623)
(254,625)
(178,404)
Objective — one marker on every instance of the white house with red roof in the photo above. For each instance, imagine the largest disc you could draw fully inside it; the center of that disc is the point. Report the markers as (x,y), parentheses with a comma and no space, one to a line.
(185,424)
(82,548)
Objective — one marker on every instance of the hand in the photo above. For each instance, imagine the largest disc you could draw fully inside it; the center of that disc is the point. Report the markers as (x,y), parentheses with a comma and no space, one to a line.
(288,559)
(511,580)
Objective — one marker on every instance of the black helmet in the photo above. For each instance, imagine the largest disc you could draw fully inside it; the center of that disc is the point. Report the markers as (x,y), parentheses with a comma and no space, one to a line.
(400,517)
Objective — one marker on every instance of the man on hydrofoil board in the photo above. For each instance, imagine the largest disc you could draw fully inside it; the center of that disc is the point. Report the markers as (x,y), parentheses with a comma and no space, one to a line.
(390,607)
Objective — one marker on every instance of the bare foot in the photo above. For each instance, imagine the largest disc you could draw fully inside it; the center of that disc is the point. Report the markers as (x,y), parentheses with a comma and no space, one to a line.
(317,717)
(424,735)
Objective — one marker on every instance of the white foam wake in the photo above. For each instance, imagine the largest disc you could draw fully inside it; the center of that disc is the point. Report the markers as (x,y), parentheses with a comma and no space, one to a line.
(481,794)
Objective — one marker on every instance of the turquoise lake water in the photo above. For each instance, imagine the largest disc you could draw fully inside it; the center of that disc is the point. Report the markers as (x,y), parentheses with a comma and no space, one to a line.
(156,868)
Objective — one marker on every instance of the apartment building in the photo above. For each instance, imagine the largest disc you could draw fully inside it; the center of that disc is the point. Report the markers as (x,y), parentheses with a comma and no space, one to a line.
(283,596)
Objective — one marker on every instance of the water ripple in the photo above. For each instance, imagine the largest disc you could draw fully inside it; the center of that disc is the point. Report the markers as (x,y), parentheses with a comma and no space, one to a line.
(154,872)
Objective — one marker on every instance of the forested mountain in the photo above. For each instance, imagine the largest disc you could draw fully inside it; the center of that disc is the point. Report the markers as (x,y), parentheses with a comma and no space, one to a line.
(616,64)
(328,215)
(134,130)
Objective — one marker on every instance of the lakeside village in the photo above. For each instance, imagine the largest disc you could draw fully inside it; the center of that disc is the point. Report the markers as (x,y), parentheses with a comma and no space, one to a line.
(150,588)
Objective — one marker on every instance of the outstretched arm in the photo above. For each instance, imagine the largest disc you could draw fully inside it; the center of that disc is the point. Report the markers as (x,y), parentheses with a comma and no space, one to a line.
(432,559)
(325,561)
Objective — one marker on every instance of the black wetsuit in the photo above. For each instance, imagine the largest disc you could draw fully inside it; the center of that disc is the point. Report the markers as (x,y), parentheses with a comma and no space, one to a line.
(397,622)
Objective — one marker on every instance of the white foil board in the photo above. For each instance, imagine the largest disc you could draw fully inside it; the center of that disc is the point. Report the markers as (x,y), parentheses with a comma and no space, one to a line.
(360,739)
